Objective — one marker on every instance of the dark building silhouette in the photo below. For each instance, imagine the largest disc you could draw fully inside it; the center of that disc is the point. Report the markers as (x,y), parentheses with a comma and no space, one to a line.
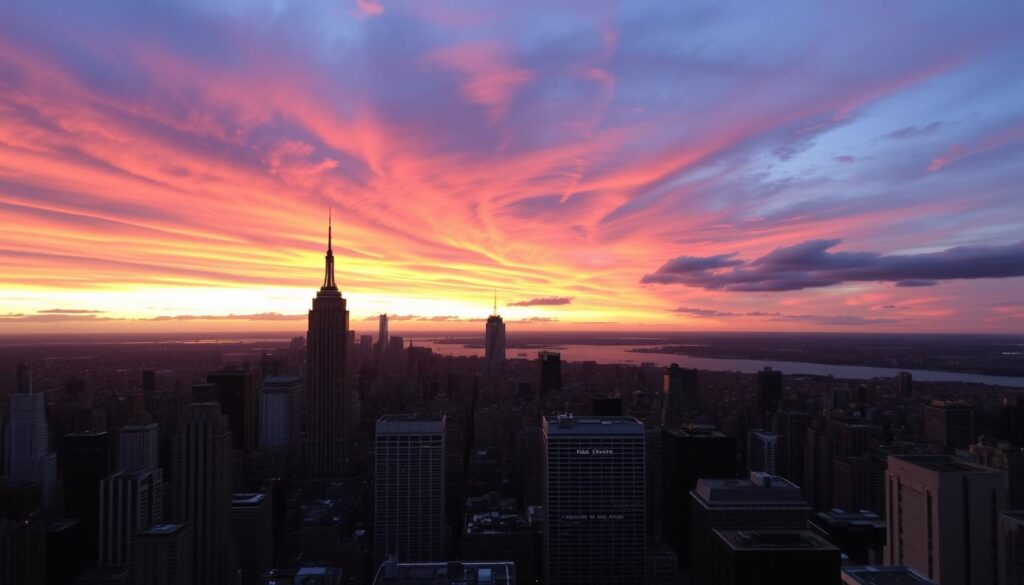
(494,343)
(769,391)
(382,334)
(690,453)
(409,487)
(859,535)
(85,459)
(252,527)
(1011,548)
(323,447)
(606,406)
(202,490)
(792,430)
(163,555)
(763,502)
(773,557)
(550,372)
(236,393)
(949,423)
(595,508)
(392,572)
(763,452)
(679,395)
(905,384)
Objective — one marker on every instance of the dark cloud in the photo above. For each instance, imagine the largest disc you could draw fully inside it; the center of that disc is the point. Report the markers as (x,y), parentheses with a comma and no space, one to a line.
(811,264)
(839,320)
(543,302)
(845,158)
(70,311)
(913,131)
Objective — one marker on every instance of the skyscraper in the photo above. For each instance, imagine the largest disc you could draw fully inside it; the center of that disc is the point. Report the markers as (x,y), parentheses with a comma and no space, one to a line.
(28,458)
(761,502)
(382,334)
(323,447)
(139,446)
(494,342)
(163,555)
(1011,548)
(679,394)
(550,371)
(202,478)
(252,525)
(409,487)
(236,393)
(949,423)
(942,516)
(85,458)
(595,500)
(130,502)
(278,416)
(762,452)
(769,390)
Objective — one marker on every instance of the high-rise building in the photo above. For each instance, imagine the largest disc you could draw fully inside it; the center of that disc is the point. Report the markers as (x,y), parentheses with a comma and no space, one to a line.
(859,534)
(27,457)
(202,490)
(905,384)
(323,447)
(84,459)
(873,575)
(278,414)
(130,502)
(550,371)
(1011,548)
(252,525)
(763,502)
(763,452)
(769,390)
(162,555)
(790,557)
(236,393)
(949,423)
(392,572)
(409,487)
(595,500)
(792,429)
(942,518)
(139,447)
(494,342)
(382,333)
(679,389)
(690,453)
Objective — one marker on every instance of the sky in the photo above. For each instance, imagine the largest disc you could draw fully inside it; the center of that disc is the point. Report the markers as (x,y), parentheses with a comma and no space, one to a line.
(747,166)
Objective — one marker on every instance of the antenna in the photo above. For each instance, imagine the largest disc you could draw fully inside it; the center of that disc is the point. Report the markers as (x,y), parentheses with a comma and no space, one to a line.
(495,302)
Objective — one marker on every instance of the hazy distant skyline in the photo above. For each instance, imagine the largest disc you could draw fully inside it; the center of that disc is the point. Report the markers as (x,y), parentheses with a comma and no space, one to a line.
(635,165)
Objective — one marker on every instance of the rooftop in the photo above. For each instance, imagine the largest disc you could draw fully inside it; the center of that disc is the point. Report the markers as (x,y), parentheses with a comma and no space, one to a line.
(567,424)
(169,528)
(896,575)
(840,517)
(247,499)
(401,424)
(281,380)
(942,463)
(774,540)
(450,573)
(761,489)
(696,431)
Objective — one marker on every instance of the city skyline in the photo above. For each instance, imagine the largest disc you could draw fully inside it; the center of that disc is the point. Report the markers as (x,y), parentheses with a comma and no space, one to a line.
(644,167)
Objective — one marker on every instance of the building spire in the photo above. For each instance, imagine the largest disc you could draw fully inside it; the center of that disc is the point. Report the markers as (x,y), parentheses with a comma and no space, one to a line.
(495,302)
(329,258)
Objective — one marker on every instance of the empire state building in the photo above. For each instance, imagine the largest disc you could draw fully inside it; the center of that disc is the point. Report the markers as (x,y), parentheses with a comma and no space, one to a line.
(326,345)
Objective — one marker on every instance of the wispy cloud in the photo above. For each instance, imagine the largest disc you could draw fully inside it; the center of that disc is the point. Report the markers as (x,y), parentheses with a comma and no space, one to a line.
(542,302)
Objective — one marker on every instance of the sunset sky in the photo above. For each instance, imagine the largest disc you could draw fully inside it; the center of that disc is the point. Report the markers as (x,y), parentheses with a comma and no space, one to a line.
(670,165)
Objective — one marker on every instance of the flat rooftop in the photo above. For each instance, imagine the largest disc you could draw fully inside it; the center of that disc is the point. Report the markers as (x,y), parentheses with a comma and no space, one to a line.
(451,573)
(896,575)
(247,499)
(410,424)
(166,528)
(774,540)
(767,490)
(593,425)
(943,463)
(697,432)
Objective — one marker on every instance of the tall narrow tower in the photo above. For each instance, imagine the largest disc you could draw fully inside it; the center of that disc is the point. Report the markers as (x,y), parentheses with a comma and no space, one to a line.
(494,342)
(323,444)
